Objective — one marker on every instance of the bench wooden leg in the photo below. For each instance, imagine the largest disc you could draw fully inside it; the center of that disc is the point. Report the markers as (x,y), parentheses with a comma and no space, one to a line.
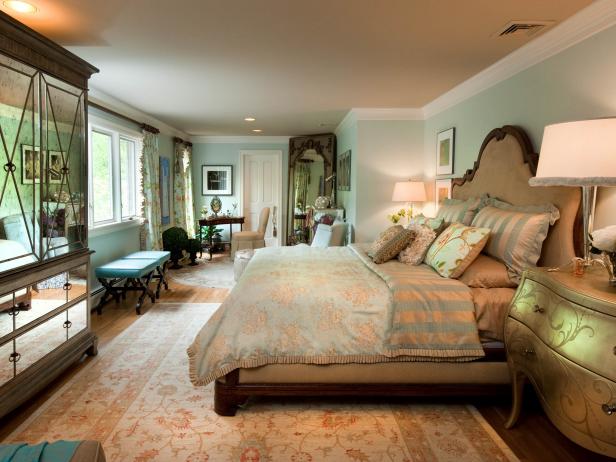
(145,286)
(161,276)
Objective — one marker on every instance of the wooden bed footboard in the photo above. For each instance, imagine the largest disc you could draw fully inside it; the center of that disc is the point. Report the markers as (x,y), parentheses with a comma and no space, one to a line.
(231,394)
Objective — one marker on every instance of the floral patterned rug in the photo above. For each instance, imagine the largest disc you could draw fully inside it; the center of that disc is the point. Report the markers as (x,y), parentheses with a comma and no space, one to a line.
(136,398)
(216,274)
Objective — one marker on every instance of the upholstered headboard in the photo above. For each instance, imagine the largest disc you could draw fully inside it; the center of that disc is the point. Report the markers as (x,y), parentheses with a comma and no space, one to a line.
(505,163)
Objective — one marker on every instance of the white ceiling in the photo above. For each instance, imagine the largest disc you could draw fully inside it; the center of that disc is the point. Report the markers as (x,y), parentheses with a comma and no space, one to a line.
(297,66)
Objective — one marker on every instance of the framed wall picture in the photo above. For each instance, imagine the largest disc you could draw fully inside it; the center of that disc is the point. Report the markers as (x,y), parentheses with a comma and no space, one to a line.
(165,190)
(445,151)
(31,165)
(442,191)
(217,180)
(343,171)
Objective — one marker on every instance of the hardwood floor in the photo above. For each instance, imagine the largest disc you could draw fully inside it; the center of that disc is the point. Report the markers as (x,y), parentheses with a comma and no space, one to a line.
(533,439)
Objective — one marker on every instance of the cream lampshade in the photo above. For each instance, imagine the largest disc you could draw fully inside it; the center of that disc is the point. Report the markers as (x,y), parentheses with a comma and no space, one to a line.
(409,191)
(581,153)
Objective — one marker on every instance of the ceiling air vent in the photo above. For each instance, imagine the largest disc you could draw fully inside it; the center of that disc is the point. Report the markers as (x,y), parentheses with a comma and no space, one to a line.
(523,28)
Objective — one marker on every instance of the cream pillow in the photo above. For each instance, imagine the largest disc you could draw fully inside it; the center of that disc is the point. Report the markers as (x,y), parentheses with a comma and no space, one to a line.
(487,273)
(456,248)
(416,250)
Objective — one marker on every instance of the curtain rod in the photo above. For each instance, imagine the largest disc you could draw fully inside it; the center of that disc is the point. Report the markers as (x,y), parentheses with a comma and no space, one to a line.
(142,125)
(181,141)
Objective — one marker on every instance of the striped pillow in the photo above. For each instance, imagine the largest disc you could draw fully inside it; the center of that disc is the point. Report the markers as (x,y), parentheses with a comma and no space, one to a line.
(517,233)
(460,211)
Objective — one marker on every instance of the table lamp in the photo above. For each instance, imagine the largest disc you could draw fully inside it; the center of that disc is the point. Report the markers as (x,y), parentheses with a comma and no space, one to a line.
(409,191)
(582,154)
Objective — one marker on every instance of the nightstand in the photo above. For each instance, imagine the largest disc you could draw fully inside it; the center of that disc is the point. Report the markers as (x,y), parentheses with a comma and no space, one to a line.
(560,334)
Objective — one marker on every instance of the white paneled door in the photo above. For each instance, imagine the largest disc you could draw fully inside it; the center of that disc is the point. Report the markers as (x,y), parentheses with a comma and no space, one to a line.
(262,187)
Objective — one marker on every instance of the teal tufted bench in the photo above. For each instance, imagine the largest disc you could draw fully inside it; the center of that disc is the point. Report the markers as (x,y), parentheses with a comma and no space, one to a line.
(137,271)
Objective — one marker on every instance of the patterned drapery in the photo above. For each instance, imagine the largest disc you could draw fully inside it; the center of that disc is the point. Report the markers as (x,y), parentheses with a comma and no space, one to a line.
(183,209)
(152,227)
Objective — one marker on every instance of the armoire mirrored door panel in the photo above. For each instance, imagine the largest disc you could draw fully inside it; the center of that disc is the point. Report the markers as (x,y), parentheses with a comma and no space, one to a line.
(20,164)
(63,211)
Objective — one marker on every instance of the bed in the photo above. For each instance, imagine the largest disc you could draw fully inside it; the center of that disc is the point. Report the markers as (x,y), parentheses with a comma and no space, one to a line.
(280,334)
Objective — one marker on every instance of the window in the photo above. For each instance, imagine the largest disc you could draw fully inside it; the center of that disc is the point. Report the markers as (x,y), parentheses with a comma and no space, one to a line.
(114,176)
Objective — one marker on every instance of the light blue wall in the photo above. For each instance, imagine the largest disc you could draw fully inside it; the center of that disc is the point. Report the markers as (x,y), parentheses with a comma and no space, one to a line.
(346,139)
(229,154)
(578,83)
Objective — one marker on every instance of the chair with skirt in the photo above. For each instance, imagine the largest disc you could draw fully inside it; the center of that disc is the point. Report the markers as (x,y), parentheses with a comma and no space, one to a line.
(251,239)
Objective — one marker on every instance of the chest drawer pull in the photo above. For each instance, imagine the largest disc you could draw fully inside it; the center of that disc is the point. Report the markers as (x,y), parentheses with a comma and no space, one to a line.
(538,309)
(609,409)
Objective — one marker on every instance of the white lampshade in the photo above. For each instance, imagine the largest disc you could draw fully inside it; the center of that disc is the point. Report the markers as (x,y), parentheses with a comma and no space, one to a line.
(409,191)
(581,153)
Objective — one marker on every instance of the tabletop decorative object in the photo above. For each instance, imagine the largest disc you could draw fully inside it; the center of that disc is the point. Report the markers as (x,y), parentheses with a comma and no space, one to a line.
(216,205)
(604,241)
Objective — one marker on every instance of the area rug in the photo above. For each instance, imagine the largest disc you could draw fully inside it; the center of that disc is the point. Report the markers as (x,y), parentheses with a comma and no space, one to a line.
(216,274)
(135,397)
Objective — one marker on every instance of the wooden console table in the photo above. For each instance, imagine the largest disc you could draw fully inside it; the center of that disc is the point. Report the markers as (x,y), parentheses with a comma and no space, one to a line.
(215,221)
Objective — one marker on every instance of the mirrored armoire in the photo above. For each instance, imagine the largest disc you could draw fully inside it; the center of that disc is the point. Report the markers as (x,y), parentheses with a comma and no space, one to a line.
(44,256)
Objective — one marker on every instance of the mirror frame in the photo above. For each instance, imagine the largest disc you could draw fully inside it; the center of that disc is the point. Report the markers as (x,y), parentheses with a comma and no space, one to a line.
(325,145)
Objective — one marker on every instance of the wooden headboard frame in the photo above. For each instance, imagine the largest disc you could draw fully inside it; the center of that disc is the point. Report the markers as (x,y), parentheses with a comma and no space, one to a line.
(505,163)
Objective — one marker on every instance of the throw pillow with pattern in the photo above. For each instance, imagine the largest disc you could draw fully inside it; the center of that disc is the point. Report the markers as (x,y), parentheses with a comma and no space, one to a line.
(415,252)
(456,248)
(390,248)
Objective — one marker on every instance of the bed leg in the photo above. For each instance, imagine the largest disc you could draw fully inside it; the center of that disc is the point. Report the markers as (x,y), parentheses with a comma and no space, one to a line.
(226,398)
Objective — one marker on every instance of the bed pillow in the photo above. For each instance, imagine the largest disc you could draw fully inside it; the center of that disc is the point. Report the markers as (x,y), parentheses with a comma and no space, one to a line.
(487,273)
(460,211)
(456,248)
(434,223)
(517,234)
(390,243)
(417,248)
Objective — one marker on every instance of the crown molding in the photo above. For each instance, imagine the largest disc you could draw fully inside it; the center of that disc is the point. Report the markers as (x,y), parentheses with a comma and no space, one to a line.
(349,119)
(104,99)
(255,139)
(593,19)
(384,113)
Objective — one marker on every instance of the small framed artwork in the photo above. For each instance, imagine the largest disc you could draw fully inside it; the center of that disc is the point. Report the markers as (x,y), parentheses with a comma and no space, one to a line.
(343,171)
(442,191)
(165,190)
(31,165)
(217,180)
(445,151)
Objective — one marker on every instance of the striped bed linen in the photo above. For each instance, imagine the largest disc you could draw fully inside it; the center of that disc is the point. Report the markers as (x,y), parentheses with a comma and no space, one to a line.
(517,233)
(429,316)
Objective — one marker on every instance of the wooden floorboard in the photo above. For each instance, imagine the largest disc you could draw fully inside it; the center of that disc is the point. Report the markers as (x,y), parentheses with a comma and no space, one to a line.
(534,439)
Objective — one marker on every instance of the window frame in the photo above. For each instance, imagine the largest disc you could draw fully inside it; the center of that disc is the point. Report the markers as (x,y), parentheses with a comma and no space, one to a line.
(117,133)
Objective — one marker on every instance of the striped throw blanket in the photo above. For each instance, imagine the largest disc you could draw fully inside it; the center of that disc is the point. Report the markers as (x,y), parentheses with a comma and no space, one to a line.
(430,316)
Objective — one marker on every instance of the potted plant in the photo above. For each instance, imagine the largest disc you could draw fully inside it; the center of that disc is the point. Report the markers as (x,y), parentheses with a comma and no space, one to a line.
(213,236)
(175,240)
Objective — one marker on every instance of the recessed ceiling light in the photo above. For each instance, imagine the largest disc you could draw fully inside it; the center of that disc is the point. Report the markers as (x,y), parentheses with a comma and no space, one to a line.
(257,130)
(20,7)
(249,119)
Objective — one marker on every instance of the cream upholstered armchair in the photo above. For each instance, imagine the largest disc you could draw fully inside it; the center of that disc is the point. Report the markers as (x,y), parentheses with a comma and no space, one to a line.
(251,239)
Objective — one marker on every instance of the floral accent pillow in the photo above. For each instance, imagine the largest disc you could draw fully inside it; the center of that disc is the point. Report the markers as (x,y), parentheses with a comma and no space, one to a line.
(416,250)
(435,223)
(456,248)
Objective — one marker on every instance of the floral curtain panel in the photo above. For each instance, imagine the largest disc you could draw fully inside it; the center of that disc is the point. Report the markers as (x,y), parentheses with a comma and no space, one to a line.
(183,209)
(152,227)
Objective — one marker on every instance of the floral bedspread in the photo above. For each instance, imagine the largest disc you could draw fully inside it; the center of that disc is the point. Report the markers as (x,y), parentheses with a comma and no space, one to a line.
(311,306)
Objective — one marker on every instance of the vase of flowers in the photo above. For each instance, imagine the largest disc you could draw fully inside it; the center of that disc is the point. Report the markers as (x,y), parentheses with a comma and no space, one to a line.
(604,242)
(204,212)
(399,215)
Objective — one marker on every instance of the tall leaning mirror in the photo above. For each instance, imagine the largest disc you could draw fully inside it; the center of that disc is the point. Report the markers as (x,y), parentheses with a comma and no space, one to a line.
(312,163)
